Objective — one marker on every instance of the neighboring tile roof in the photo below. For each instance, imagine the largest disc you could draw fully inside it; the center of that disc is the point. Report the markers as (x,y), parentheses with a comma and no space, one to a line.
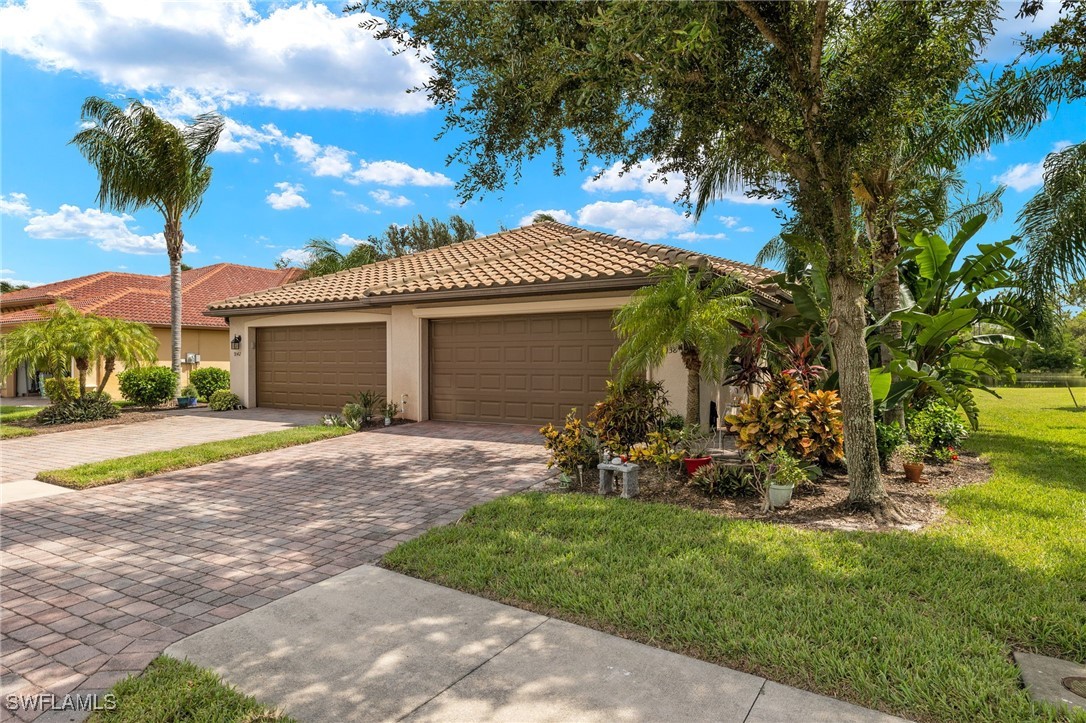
(533,258)
(138,297)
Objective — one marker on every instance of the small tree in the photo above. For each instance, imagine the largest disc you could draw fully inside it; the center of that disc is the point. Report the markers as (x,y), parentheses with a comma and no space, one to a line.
(45,345)
(688,311)
(127,342)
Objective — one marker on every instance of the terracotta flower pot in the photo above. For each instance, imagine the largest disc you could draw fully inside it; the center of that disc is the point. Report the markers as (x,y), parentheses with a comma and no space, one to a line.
(693,464)
(913,470)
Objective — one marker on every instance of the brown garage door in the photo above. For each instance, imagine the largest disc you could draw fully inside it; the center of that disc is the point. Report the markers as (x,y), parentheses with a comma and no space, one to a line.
(318,367)
(519,369)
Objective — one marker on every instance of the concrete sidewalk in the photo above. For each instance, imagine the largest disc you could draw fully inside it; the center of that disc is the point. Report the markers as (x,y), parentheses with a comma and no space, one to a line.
(373,645)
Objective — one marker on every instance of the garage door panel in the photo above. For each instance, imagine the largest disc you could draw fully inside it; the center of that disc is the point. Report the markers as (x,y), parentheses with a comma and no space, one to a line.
(318,367)
(523,369)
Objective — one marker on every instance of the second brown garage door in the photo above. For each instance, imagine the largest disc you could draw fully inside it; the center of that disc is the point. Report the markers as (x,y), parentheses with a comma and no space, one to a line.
(318,367)
(519,369)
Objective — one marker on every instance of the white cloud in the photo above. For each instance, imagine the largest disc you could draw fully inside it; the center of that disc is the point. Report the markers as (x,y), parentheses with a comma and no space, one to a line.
(1004,46)
(645,178)
(638,178)
(345,240)
(695,236)
(386,198)
(556,213)
(9,276)
(394,173)
(1024,176)
(15,204)
(363,208)
(289,196)
(296,257)
(298,56)
(329,160)
(744,229)
(729,221)
(639,220)
(109,231)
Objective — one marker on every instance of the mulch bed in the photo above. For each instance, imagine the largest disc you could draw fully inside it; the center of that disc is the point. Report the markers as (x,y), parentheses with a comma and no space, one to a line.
(823,506)
(127,417)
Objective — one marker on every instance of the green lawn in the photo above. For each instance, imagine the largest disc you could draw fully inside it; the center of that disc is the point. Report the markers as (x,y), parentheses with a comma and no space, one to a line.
(95,474)
(172,690)
(6,431)
(15,414)
(917,624)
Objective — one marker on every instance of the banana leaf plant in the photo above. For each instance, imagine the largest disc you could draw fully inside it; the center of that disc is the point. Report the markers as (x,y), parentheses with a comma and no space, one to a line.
(967,312)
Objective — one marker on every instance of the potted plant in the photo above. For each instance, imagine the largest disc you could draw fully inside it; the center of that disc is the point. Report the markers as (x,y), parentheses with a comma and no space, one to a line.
(187,396)
(912,459)
(694,444)
(391,410)
(785,472)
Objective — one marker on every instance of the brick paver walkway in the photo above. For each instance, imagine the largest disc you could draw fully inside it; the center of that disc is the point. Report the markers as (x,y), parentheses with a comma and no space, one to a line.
(24,457)
(97,583)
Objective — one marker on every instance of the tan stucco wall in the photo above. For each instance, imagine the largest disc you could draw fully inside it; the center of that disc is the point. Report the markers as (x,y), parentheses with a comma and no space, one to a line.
(212,345)
(408,334)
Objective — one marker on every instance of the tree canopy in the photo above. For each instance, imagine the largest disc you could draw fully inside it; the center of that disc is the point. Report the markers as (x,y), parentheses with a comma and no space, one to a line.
(778,99)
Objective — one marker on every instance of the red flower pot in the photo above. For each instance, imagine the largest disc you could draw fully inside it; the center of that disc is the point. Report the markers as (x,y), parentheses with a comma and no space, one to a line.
(693,464)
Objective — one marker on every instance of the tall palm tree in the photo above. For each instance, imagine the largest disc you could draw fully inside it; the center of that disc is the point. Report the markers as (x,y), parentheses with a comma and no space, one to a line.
(48,345)
(689,311)
(117,340)
(144,161)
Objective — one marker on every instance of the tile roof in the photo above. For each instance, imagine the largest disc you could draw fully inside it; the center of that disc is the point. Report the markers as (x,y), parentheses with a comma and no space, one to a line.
(138,297)
(533,258)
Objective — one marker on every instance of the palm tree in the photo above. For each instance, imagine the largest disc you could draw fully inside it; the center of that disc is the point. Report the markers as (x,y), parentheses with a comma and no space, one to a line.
(117,340)
(326,258)
(689,311)
(144,161)
(45,345)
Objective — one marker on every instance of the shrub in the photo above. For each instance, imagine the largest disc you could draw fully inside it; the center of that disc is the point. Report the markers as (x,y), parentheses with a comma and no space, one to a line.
(333,420)
(806,424)
(724,480)
(224,400)
(361,408)
(90,408)
(209,380)
(572,445)
(53,387)
(936,425)
(659,448)
(785,469)
(629,412)
(888,437)
(189,391)
(148,386)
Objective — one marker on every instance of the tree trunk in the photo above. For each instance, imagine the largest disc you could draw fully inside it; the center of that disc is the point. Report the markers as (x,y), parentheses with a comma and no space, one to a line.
(110,365)
(81,366)
(693,385)
(175,239)
(887,298)
(864,478)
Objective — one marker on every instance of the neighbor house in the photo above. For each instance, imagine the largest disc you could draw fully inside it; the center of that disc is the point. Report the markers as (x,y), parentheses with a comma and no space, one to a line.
(205,339)
(514,327)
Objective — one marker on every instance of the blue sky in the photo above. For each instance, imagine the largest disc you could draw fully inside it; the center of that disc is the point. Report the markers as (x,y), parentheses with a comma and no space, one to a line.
(321,141)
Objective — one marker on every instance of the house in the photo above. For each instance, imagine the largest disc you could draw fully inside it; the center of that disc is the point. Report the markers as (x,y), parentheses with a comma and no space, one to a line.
(514,327)
(143,298)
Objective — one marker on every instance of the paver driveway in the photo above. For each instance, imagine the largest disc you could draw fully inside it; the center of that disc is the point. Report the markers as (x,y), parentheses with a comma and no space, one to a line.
(23,457)
(97,583)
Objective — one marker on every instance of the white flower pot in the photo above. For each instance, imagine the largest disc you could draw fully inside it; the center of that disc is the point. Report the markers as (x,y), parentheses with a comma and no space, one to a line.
(388,421)
(780,495)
